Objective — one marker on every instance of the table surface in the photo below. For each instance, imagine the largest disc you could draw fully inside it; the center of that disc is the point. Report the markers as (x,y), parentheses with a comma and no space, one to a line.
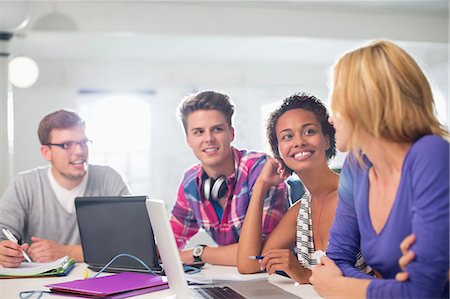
(10,288)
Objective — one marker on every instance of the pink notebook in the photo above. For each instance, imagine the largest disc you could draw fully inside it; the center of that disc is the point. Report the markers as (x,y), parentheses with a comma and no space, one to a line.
(120,285)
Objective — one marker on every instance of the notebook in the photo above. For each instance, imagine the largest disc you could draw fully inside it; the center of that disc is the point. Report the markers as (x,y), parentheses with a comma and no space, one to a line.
(116,224)
(177,281)
(60,267)
(120,285)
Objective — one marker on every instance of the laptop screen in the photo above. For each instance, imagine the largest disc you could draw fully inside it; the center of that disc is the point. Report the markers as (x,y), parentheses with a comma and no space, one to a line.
(113,225)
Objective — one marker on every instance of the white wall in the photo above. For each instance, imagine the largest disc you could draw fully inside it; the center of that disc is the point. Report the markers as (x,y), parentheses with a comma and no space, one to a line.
(171,156)
(256,55)
(249,86)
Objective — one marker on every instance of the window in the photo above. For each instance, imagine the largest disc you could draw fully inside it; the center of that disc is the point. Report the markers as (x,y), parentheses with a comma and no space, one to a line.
(119,126)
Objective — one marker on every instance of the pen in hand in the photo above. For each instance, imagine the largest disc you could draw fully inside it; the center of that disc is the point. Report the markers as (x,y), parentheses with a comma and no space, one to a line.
(260,257)
(11,237)
(256,257)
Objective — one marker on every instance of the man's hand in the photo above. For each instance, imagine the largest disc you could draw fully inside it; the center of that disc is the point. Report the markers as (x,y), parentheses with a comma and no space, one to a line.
(11,253)
(186,256)
(221,255)
(407,257)
(43,250)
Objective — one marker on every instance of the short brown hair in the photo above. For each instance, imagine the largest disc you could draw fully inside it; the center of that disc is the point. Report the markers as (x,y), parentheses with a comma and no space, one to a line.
(206,100)
(61,119)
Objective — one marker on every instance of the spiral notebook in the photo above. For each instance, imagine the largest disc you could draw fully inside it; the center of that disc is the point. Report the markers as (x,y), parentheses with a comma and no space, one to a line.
(60,267)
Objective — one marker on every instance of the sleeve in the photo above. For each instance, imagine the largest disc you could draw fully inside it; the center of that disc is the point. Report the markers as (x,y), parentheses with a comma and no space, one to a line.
(276,204)
(276,201)
(344,242)
(13,209)
(182,220)
(430,223)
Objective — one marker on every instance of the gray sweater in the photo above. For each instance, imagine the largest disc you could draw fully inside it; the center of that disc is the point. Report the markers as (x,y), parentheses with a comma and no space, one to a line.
(29,206)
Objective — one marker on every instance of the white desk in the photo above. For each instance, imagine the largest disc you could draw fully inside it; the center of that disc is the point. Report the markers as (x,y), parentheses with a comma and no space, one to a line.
(10,288)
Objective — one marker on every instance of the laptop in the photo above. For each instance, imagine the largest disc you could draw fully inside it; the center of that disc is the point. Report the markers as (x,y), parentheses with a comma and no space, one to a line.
(110,225)
(173,268)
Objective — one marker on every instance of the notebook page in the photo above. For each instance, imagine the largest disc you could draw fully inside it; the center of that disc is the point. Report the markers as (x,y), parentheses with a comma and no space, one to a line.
(223,274)
(30,269)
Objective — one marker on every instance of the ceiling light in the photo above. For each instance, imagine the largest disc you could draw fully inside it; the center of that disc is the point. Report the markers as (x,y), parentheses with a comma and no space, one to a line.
(23,72)
(55,21)
(14,15)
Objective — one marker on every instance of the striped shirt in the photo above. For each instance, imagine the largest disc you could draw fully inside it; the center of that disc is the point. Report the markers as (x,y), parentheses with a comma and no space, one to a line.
(192,211)
(307,255)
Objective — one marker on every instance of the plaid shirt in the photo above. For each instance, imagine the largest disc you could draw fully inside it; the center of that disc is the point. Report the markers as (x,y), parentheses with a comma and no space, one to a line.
(192,211)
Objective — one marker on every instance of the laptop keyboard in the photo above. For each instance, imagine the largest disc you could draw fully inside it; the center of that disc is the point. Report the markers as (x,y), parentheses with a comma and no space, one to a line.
(223,292)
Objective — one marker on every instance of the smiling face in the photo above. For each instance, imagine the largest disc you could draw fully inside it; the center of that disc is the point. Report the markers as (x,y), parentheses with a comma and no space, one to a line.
(301,142)
(210,137)
(68,165)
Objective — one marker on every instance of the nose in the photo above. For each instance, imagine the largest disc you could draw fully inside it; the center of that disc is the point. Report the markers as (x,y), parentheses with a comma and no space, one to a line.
(209,136)
(299,140)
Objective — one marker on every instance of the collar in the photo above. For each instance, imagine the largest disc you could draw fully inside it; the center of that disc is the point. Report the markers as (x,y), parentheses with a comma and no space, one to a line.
(237,155)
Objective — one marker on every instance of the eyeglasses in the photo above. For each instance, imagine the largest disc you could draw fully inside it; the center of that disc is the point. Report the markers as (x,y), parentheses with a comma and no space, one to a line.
(71,145)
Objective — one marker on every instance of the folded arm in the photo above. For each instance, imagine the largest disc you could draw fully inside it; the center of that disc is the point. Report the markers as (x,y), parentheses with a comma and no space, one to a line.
(251,239)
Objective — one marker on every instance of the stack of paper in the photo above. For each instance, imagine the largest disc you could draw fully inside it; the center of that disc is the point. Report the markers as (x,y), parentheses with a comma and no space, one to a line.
(58,267)
(216,275)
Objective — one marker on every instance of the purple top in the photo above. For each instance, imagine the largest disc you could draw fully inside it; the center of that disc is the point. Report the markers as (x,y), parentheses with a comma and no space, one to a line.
(421,206)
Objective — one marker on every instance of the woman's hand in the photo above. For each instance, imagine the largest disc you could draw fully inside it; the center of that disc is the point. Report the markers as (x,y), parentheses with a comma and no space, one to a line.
(407,257)
(284,260)
(324,277)
(273,172)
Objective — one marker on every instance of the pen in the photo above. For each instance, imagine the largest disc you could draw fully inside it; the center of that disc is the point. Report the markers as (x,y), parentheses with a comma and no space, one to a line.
(11,237)
(260,257)
(256,257)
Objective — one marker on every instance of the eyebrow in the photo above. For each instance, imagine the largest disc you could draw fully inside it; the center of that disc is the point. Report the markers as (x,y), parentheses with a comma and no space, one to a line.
(212,127)
(305,125)
(71,140)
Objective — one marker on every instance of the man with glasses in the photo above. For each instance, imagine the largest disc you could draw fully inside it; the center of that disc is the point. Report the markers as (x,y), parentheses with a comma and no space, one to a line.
(38,206)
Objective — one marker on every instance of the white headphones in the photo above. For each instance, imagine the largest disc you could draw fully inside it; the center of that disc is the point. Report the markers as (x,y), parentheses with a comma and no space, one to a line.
(214,189)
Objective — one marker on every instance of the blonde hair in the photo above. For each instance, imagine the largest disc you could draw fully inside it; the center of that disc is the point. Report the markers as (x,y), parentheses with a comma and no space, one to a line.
(380,89)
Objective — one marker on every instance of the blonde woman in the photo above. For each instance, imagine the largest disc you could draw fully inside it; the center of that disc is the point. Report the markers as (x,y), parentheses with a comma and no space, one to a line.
(394,182)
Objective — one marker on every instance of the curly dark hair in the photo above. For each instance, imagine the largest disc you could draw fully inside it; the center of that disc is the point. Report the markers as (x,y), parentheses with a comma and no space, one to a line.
(307,102)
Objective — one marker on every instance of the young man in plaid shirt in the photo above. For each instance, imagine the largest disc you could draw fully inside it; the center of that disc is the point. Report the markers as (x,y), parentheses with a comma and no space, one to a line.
(214,194)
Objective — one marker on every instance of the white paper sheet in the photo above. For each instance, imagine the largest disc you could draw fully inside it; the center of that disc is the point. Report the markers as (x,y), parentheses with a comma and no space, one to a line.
(223,274)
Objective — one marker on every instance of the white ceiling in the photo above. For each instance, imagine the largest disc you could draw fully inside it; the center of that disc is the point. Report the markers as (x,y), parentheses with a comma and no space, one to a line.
(183,48)
(223,31)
